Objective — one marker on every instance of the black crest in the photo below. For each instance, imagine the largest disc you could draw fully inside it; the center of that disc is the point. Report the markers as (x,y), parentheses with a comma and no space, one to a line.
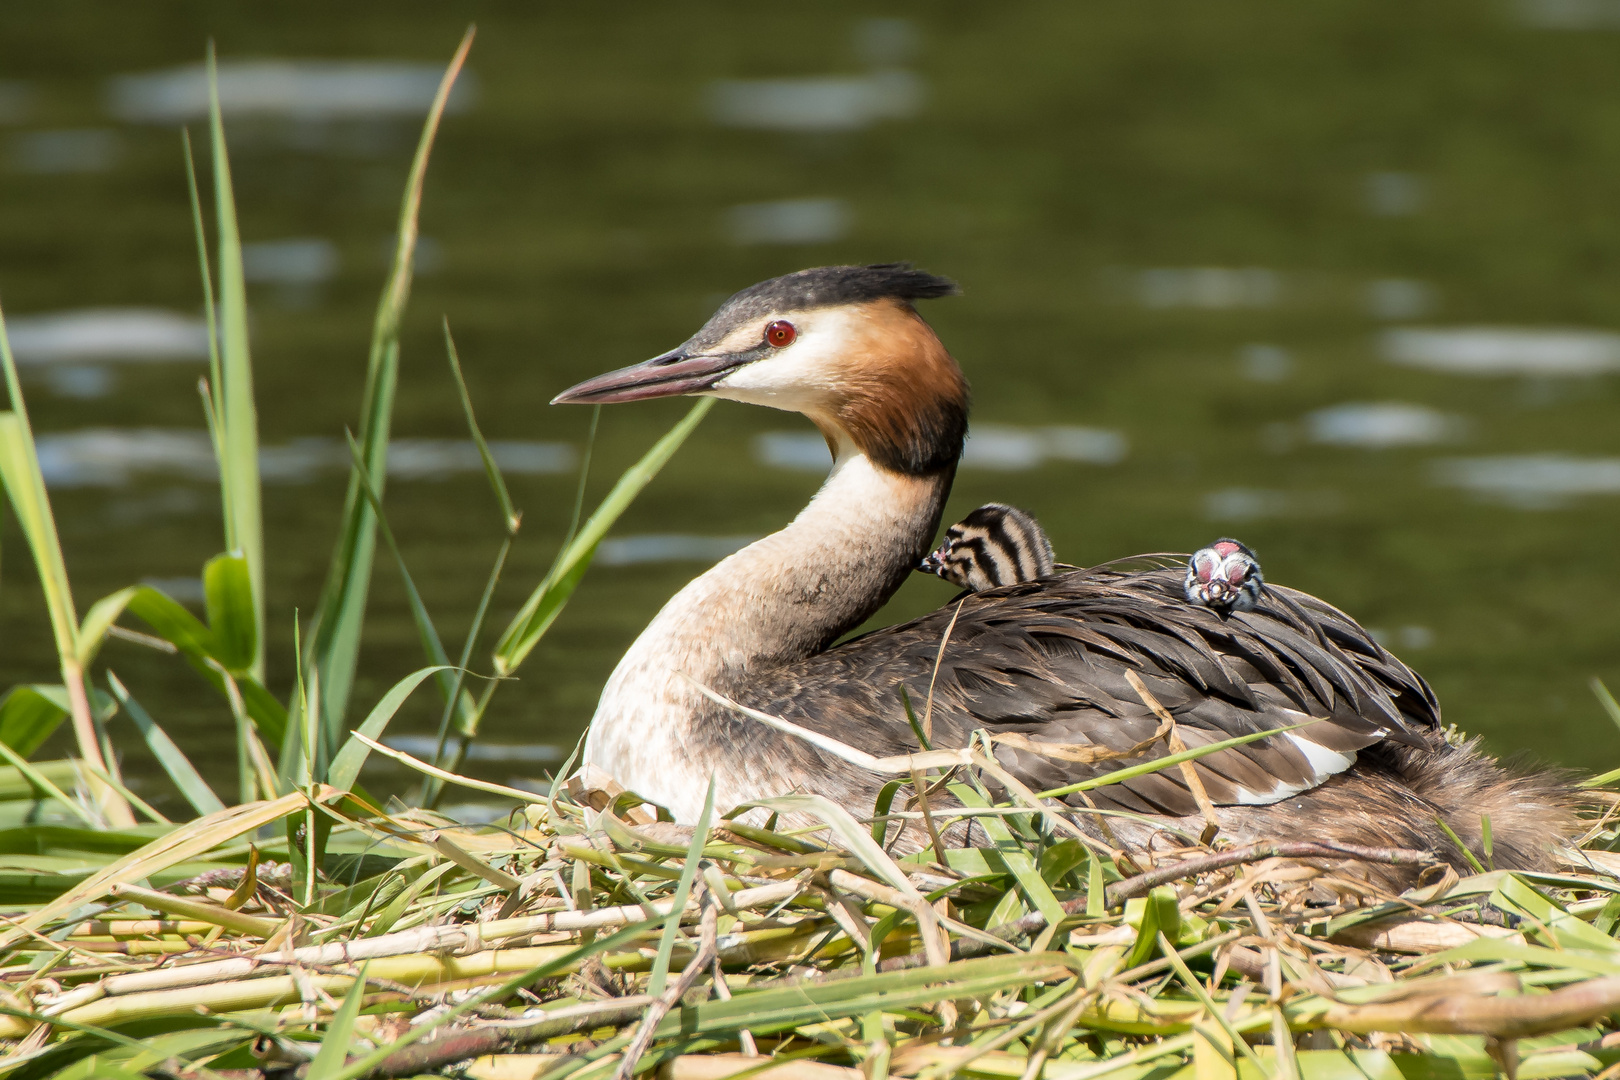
(828,286)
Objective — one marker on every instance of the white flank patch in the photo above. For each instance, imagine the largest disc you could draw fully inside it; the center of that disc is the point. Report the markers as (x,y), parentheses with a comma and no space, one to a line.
(1324,763)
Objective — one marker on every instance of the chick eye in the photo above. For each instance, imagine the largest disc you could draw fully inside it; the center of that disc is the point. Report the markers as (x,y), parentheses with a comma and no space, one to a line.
(780,334)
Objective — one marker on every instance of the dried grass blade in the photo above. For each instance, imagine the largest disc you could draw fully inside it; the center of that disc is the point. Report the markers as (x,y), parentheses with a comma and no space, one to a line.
(896,765)
(450,777)
(181,907)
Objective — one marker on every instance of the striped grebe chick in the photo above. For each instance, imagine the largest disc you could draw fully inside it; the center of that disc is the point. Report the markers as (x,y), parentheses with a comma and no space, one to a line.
(1225,576)
(994,545)
(1085,657)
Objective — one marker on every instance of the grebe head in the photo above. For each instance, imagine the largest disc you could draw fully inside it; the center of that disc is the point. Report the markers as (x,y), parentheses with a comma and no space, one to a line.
(1224,576)
(994,545)
(841,344)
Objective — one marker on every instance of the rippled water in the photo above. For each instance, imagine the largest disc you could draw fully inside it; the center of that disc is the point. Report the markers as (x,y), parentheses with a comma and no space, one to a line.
(1342,281)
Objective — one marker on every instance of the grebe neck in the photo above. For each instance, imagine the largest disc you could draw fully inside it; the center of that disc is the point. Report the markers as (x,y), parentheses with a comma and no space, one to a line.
(782,598)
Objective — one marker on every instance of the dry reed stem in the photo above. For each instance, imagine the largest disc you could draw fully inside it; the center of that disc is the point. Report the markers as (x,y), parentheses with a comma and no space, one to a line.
(180,906)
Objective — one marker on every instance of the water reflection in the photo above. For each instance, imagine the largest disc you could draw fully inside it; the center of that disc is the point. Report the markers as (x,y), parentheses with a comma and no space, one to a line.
(297,261)
(668,548)
(187,590)
(789,221)
(1410,638)
(1381,425)
(1531,481)
(70,150)
(1395,194)
(116,334)
(1265,363)
(1488,350)
(300,89)
(1571,14)
(115,457)
(830,103)
(989,446)
(1213,287)
(16,101)
(1399,298)
(1244,504)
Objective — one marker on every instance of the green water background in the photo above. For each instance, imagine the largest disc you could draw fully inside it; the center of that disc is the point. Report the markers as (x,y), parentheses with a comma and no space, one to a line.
(577,213)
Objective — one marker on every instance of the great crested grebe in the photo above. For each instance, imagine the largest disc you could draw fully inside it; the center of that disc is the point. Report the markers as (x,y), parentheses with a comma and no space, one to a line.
(994,545)
(1061,660)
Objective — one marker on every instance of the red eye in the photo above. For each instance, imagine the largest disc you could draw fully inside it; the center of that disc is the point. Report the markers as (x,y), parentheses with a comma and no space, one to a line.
(780,334)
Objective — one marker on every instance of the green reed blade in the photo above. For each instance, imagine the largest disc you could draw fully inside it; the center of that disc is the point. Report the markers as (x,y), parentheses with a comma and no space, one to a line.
(334,648)
(547,601)
(683,889)
(449,679)
(1156,764)
(42,782)
(25,486)
(346,765)
(210,313)
(336,1044)
(170,757)
(235,413)
(19,470)
(511,516)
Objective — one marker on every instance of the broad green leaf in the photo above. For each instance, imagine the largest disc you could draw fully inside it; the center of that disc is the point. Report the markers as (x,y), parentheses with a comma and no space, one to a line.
(237,440)
(174,624)
(346,766)
(334,649)
(1516,895)
(169,756)
(228,593)
(547,600)
(102,614)
(29,715)
(1154,914)
(1063,856)
(197,643)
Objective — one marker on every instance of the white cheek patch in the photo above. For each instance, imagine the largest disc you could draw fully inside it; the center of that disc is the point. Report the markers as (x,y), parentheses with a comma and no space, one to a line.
(802,376)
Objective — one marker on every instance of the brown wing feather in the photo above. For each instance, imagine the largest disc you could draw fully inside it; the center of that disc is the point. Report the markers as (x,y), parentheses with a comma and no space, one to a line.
(1049,660)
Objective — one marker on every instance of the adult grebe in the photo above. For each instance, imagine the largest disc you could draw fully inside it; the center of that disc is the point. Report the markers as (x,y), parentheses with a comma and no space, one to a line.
(1057,660)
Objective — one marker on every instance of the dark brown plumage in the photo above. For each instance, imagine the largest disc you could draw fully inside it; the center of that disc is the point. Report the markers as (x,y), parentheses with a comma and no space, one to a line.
(1047,660)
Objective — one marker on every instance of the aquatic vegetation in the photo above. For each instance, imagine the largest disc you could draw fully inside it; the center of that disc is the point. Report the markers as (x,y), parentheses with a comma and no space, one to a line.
(306,930)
